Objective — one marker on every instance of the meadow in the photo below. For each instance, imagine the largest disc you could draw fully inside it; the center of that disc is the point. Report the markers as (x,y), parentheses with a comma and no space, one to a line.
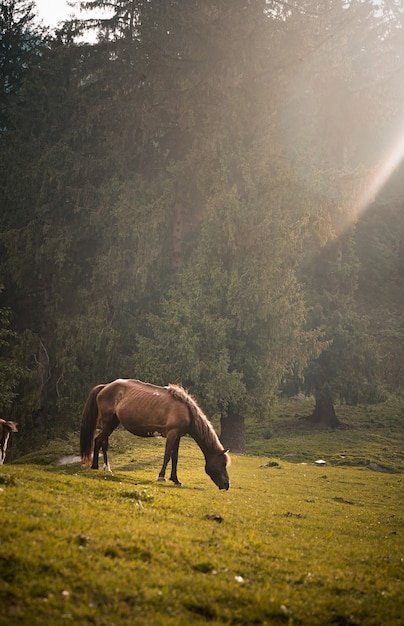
(291,542)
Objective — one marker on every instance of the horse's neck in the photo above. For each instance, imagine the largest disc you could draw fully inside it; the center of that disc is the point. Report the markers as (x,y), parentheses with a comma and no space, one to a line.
(207,441)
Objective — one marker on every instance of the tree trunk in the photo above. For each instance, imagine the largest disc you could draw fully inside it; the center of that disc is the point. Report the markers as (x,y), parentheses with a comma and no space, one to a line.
(232,434)
(40,417)
(324,412)
(177,234)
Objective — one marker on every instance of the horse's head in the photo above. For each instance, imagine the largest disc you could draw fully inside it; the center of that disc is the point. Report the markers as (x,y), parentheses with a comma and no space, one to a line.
(11,427)
(216,468)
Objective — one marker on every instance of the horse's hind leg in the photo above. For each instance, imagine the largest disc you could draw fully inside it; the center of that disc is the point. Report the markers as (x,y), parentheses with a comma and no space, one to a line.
(101,442)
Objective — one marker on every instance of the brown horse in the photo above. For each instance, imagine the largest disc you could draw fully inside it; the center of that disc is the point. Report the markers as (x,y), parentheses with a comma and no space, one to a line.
(5,429)
(146,410)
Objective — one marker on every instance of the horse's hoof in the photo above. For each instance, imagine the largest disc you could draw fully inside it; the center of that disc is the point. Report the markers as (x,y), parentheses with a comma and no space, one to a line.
(161,479)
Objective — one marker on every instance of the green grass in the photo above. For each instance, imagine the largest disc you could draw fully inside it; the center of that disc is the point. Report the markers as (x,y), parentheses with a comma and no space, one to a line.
(370,434)
(290,542)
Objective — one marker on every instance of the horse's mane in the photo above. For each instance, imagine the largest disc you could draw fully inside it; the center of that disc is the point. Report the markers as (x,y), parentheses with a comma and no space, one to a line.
(203,428)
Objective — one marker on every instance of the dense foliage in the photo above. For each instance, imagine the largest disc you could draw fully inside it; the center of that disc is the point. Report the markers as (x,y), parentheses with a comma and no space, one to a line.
(185,200)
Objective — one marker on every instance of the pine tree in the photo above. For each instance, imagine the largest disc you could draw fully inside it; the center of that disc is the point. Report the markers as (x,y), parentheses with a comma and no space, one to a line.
(10,369)
(21,45)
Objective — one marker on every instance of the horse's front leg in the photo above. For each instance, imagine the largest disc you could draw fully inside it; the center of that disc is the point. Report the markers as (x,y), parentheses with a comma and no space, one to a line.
(174,462)
(171,452)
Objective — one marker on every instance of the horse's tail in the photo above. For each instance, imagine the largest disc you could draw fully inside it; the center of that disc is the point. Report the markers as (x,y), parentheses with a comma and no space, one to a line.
(88,424)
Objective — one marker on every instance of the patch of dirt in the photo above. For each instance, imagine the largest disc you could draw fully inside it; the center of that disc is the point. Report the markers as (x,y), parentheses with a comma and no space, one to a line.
(68,459)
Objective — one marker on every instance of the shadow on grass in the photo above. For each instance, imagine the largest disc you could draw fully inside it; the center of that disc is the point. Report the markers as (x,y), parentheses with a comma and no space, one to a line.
(125,474)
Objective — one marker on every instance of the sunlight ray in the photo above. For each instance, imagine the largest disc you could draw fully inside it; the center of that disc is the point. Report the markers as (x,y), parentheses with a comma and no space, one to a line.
(380,175)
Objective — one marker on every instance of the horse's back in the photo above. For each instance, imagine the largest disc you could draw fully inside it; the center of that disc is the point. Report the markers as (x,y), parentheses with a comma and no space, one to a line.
(144,408)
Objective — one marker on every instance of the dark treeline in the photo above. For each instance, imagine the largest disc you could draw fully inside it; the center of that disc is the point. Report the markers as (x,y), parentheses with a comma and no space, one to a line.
(208,194)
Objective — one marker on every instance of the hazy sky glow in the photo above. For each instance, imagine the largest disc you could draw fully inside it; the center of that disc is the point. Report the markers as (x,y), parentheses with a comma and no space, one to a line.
(50,12)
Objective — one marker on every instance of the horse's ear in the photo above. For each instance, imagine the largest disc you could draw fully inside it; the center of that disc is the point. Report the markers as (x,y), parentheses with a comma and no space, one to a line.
(226,456)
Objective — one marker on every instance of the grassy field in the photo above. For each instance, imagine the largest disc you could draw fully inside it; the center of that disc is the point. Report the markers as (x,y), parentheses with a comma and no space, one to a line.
(290,543)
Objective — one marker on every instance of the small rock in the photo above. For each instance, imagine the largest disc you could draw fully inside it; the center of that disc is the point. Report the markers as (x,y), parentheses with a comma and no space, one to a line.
(215,517)
(377,468)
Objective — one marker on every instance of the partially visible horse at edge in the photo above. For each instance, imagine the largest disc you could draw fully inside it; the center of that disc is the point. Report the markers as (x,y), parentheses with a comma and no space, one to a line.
(6,428)
(146,410)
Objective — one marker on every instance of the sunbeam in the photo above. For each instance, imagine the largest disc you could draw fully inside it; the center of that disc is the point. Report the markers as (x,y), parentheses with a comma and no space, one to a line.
(380,175)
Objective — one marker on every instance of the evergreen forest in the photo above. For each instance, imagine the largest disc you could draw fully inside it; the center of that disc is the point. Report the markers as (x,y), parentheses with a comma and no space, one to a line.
(202,192)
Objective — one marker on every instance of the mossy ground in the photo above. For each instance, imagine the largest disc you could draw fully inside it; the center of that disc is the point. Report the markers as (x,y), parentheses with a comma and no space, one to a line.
(290,542)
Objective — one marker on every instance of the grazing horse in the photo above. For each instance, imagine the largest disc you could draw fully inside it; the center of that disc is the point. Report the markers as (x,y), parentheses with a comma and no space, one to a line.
(5,429)
(146,410)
